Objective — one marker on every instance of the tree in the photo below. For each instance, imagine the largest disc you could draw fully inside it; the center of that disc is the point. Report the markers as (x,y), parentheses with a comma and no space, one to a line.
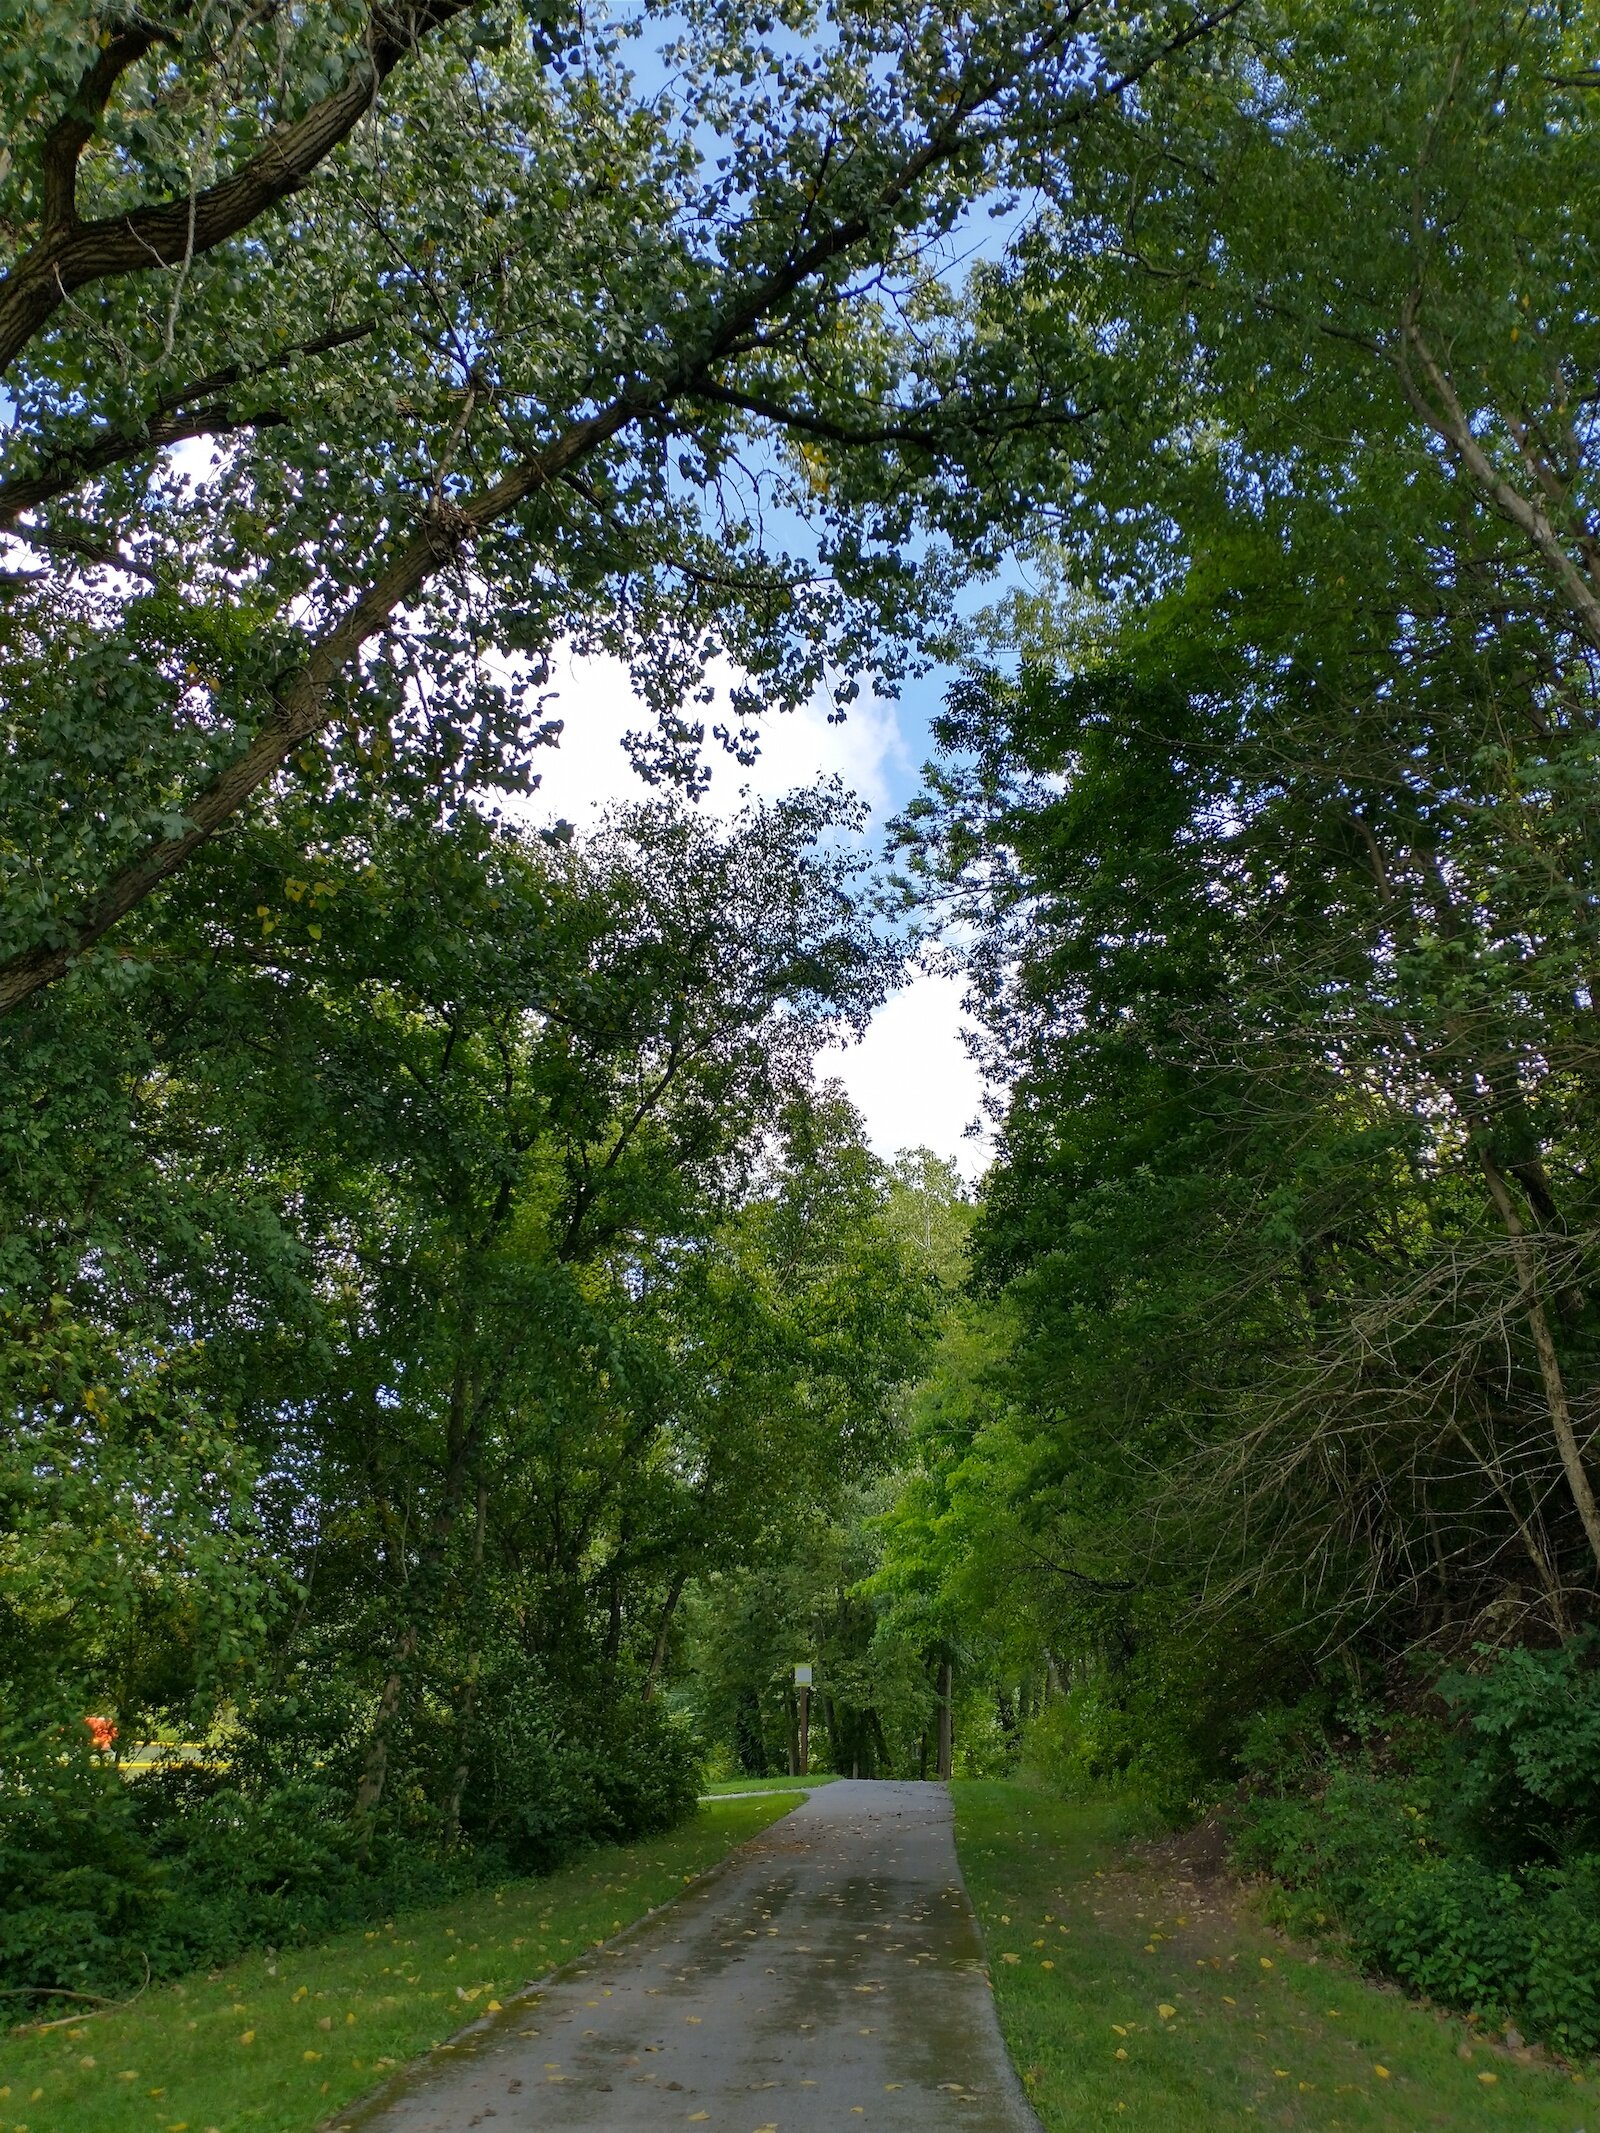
(472,1263)
(514,357)
(1274,841)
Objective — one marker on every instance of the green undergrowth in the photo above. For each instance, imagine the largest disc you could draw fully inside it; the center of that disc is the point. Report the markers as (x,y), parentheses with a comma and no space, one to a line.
(777,1784)
(1135,1994)
(280,2043)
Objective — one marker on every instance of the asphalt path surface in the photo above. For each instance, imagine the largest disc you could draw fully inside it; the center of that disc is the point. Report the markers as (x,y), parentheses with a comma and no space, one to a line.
(828,1976)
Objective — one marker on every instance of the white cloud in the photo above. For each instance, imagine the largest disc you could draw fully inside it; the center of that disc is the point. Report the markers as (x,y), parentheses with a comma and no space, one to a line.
(590,768)
(910,1076)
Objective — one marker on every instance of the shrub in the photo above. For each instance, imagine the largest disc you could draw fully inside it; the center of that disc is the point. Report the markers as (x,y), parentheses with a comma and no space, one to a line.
(1527,1777)
(1465,1864)
(191,1865)
(79,1892)
(551,1782)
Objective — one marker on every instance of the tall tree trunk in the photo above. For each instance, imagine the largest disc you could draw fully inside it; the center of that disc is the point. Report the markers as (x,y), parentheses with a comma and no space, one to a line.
(376,1768)
(947,1736)
(469,1693)
(1555,1388)
(463,1446)
(658,1651)
(882,1763)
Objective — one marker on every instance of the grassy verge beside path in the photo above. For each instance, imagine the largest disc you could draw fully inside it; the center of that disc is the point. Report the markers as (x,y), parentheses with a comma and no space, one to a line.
(784,1784)
(1133,1995)
(279,2044)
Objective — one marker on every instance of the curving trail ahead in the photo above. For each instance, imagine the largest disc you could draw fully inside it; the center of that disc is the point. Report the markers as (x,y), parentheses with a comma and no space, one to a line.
(830,1976)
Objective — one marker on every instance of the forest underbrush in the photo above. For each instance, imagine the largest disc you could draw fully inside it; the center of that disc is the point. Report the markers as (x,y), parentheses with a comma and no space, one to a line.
(1137,1989)
(1456,1851)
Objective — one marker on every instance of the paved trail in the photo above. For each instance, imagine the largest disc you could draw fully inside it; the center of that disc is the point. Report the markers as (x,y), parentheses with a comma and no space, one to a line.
(830,1978)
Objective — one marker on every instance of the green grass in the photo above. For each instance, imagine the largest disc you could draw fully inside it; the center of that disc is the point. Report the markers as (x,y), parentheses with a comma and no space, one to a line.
(279,2044)
(1087,1947)
(780,1784)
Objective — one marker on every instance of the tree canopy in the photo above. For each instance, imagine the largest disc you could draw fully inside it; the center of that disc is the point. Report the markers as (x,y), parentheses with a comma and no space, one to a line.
(463,1354)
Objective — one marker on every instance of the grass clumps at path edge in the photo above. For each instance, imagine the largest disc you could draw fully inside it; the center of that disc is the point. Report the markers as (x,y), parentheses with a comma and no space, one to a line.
(1132,1996)
(280,2043)
(777,1784)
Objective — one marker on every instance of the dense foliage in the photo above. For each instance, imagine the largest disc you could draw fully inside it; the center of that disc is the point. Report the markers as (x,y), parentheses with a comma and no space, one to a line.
(1270,818)
(425,1249)
(452,1341)
(459,1258)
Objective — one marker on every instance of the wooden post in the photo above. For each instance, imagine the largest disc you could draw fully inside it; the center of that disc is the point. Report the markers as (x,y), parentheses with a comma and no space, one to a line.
(946,1729)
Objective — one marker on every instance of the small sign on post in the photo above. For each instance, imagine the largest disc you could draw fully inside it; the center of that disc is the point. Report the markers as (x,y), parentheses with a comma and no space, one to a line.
(802,1682)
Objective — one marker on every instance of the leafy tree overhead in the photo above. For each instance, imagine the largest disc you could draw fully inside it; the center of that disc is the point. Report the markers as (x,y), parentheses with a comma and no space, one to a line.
(499,346)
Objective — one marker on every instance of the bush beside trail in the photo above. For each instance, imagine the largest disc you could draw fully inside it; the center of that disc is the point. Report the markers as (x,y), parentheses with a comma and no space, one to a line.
(1460,1857)
(188,1866)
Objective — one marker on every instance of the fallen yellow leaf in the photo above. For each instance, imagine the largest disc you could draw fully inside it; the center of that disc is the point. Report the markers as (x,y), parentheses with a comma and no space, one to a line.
(1166,2011)
(1488,2080)
(1382,2072)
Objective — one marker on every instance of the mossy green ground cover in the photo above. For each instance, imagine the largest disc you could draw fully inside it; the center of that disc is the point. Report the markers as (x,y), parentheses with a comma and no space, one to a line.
(279,2043)
(1134,1995)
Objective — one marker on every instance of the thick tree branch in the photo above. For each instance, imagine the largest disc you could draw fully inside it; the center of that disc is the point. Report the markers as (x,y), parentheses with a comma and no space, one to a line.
(301,702)
(70,253)
(173,418)
(71,134)
(980,422)
(1440,408)
(85,542)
